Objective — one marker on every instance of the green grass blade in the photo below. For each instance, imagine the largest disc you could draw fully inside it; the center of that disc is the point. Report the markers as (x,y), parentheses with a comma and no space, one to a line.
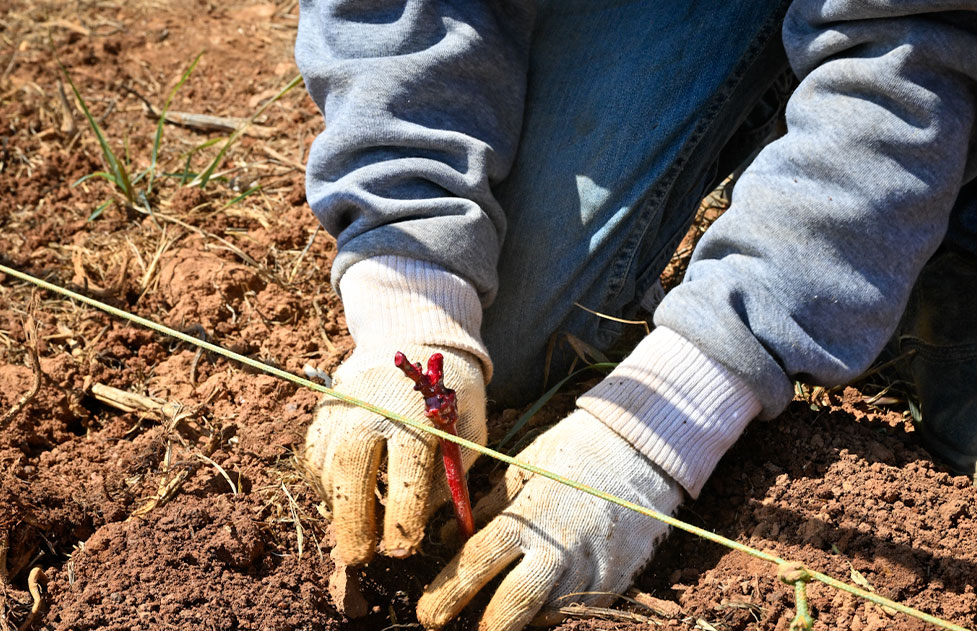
(98,211)
(914,411)
(187,175)
(201,180)
(117,168)
(183,176)
(161,123)
(102,174)
(251,191)
(543,400)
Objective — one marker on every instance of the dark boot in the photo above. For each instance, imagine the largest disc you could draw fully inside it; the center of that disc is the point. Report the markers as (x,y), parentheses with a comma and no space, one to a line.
(940,325)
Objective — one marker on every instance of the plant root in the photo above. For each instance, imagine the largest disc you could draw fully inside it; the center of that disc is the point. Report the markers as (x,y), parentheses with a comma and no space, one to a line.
(175,474)
(37,580)
(794,573)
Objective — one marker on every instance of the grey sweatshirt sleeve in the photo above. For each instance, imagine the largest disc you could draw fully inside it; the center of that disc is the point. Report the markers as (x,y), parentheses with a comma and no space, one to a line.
(423,107)
(807,273)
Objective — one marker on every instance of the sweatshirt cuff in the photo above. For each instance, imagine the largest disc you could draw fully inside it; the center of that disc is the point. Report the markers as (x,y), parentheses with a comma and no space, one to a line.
(677,406)
(391,300)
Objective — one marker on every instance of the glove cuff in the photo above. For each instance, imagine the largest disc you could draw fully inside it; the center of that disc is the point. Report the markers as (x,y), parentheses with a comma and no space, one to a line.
(395,300)
(674,404)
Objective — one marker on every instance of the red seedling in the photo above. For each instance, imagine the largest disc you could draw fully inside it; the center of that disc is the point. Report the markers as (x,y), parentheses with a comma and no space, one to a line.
(441,406)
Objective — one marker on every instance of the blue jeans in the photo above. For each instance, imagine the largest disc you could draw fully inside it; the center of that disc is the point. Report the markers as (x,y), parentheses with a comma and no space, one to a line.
(938,335)
(633,113)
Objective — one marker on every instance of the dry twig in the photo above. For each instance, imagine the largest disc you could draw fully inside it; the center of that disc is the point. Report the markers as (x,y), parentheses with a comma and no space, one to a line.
(10,64)
(68,125)
(298,261)
(208,122)
(151,269)
(278,157)
(578,610)
(172,413)
(321,318)
(176,473)
(132,402)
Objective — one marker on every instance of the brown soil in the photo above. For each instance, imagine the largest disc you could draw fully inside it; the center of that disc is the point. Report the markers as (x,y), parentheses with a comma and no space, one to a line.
(202,520)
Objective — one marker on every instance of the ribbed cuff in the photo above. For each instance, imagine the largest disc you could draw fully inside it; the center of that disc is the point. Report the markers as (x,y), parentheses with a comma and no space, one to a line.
(675,405)
(399,300)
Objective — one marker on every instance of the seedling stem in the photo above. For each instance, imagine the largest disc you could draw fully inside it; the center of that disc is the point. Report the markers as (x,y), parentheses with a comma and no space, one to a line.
(441,406)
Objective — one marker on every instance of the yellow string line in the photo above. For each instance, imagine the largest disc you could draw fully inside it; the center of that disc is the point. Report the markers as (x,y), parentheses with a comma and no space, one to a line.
(671,521)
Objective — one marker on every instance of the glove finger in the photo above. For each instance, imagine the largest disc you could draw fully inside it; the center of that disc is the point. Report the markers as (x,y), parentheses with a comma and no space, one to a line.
(315,455)
(472,427)
(354,476)
(573,586)
(411,458)
(522,593)
(317,440)
(485,555)
(492,504)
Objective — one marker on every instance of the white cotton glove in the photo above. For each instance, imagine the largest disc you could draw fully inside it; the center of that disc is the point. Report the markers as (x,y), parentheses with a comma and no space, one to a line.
(570,542)
(395,304)
(666,416)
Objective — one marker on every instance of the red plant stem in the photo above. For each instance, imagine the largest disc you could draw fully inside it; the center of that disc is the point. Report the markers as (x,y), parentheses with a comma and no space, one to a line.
(451,454)
(441,406)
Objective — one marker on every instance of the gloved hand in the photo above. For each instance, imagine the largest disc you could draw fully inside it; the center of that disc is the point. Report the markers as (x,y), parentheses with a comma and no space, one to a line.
(570,542)
(666,415)
(395,304)
(345,445)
